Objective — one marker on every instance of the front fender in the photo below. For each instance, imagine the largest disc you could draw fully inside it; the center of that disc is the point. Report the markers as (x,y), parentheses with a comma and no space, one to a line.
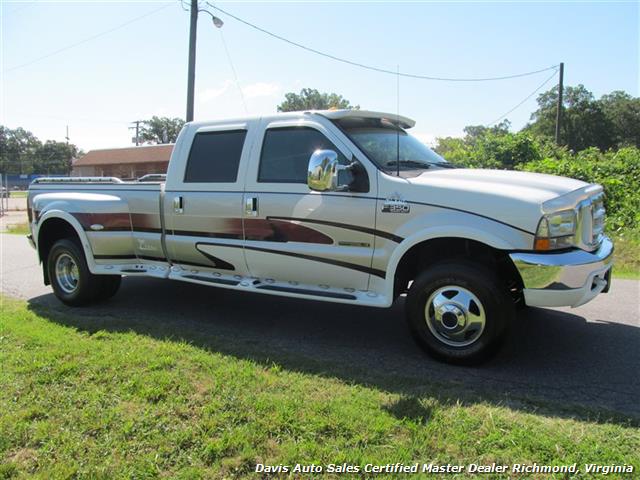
(499,237)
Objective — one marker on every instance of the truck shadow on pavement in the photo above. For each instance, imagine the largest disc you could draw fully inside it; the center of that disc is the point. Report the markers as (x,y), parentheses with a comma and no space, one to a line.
(554,363)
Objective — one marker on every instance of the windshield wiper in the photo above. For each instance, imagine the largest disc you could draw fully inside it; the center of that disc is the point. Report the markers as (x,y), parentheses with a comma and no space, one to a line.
(421,163)
(443,164)
(408,163)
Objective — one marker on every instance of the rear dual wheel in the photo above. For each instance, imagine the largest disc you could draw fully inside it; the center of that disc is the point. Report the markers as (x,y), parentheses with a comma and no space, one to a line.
(459,312)
(71,280)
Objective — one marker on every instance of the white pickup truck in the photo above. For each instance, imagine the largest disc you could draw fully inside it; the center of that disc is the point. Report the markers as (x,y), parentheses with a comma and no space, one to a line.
(342,206)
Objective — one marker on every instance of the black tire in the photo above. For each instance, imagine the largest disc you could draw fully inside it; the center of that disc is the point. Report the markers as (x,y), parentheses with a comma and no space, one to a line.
(87,286)
(446,334)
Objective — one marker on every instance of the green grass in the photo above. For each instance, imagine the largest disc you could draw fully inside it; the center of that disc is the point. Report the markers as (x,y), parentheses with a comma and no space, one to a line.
(18,194)
(98,404)
(18,229)
(627,255)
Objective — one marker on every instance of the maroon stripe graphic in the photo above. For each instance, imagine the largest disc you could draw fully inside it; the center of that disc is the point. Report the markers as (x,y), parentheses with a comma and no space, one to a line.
(114,222)
(282,231)
(146,222)
(257,229)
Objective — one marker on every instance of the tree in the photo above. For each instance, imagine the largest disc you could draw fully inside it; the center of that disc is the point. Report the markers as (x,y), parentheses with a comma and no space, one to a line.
(584,123)
(492,147)
(160,130)
(54,157)
(17,150)
(623,112)
(474,132)
(22,153)
(312,99)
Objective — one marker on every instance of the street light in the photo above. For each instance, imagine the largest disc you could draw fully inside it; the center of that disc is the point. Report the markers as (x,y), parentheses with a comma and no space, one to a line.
(191,74)
(218,23)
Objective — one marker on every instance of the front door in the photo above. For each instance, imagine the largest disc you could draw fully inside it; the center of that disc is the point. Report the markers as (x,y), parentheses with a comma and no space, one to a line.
(297,235)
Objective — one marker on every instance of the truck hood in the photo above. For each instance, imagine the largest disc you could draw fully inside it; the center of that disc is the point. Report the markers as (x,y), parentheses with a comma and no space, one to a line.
(511,197)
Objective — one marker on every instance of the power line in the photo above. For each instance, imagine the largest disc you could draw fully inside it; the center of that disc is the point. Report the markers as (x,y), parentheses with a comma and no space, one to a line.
(527,98)
(74,119)
(377,69)
(21,7)
(233,69)
(88,39)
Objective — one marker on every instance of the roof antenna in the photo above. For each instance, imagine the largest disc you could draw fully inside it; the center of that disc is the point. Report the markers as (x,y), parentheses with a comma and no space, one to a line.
(397,120)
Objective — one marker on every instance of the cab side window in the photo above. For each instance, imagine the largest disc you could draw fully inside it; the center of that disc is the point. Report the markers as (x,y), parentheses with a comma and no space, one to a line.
(286,151)
(215,157)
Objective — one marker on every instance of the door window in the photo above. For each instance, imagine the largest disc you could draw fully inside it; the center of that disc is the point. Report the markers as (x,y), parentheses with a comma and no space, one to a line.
(286,152)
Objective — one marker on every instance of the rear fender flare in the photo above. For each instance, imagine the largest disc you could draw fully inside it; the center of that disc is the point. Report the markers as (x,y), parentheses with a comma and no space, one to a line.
(71,220)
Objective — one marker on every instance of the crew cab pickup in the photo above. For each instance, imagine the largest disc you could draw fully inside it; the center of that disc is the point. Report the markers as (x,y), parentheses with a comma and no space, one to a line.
(342,206)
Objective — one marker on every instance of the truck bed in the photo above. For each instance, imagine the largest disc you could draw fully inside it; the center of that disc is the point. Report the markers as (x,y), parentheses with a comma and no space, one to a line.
(121,219)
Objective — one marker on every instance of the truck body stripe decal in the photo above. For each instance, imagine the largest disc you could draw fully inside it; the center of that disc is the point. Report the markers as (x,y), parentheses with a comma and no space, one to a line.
(371,231)
(271,229)
(471,213)
(381,234)
(217,262)
(339,263)
(112,222)
(356,197)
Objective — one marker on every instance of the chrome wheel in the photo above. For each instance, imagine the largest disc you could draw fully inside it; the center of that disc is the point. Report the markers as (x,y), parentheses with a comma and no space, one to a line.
(67,275)
(455,316)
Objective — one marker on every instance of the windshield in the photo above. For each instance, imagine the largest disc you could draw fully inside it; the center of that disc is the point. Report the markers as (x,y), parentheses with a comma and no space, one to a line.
(391,148)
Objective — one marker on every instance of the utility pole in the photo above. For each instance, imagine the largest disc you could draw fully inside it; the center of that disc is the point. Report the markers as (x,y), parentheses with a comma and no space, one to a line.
(191,76)
(559,109)
(137,127)
(70,159)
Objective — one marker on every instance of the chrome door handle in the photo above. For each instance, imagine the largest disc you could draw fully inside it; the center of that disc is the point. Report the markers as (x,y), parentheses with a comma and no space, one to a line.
(251,206)
(178,204)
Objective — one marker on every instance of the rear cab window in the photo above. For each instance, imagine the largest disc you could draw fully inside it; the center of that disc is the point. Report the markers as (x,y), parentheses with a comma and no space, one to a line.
(214,157)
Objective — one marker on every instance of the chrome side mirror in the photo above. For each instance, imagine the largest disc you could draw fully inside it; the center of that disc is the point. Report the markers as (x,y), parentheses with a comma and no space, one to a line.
(322,174)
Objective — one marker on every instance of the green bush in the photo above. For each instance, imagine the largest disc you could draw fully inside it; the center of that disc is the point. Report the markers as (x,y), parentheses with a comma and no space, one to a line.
(617,171)
(492,149)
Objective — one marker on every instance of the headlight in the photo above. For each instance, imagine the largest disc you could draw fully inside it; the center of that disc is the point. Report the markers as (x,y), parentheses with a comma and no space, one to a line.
(556,230)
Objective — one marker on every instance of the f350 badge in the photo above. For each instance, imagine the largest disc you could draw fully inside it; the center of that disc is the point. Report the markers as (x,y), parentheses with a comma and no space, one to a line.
(395,204)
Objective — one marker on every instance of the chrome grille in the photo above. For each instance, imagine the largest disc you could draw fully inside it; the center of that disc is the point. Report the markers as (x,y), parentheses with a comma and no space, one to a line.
(590,226)
(597,219)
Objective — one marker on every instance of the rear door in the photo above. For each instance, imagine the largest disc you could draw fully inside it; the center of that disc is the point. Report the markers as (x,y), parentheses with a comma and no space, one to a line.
(203,199)
(297,235)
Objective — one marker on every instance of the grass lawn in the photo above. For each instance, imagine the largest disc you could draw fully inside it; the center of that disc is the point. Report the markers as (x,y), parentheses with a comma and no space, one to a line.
(18,194)
(18,229)
(97,404)
(627,255)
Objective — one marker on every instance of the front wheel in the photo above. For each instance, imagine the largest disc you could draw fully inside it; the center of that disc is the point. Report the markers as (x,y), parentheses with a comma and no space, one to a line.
(459,312)
(71,280)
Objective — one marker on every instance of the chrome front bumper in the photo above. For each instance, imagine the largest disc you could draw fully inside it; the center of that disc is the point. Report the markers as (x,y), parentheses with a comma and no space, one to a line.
(564,279)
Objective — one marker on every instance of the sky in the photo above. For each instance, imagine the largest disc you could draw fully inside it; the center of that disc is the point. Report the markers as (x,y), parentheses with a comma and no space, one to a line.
(98,66)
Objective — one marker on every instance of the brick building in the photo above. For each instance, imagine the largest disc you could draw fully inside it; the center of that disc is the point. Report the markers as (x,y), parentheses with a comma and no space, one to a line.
(124,163)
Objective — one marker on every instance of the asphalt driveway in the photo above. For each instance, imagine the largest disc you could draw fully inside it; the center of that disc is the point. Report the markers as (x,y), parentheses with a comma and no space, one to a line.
(571,360)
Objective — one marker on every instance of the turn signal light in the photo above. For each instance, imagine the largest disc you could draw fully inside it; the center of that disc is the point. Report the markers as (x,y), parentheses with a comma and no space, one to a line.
(542,244)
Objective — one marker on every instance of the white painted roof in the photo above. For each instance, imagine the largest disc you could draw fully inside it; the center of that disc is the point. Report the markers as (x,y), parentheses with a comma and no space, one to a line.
(404,122)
